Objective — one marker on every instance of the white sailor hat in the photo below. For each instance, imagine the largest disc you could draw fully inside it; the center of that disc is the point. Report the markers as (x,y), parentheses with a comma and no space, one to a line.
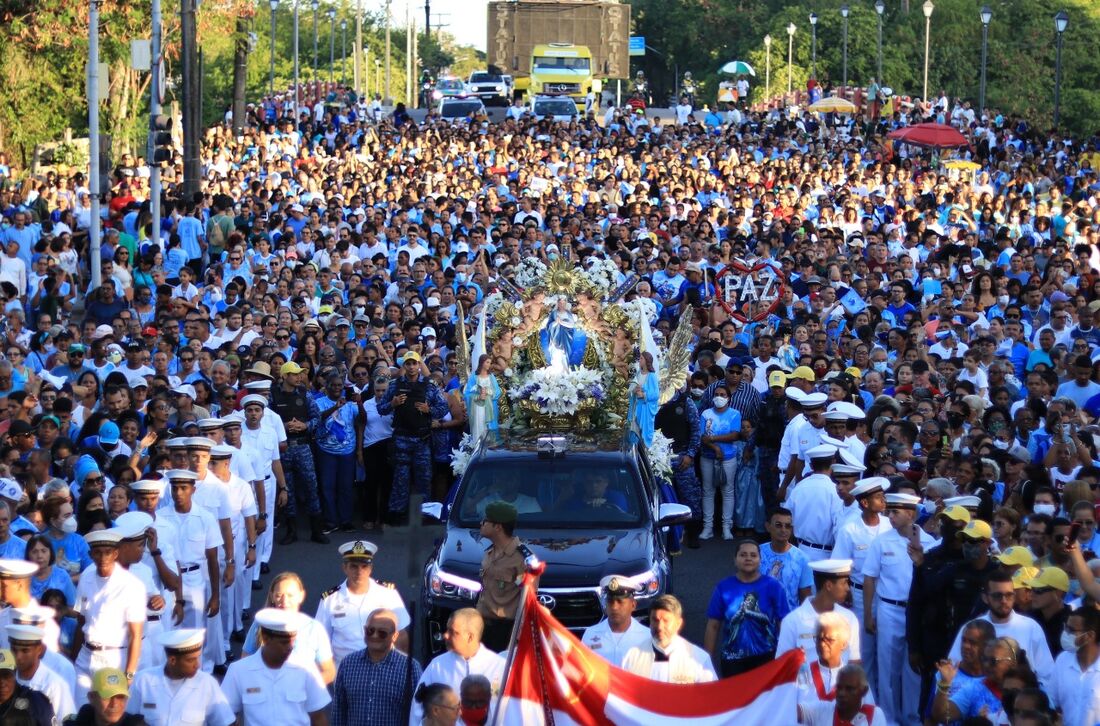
(25,633)
(133,525)
(870,485)
(31,616)
(15,569)
(181,475)
(262,385)
(849,458)
(253,398)
(199,442)
(832,414)
(183,639)
(840,444)
(211,423)
(103,538)
(814,400)
(850,410)
(832,567)
(359,549)
(967,501)
(848,469)
(222,451)
(279,621)
(822,451)
(148,485)
(902,501)
(10,489)
(617,586)
(177,442)
(236,418)
(795,394)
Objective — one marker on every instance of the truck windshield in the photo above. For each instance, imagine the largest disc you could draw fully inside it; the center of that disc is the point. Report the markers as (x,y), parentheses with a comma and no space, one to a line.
(550,64)
(557,107)
(559,493)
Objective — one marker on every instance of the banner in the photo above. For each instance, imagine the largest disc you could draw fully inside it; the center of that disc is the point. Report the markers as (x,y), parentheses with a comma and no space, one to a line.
(554,679)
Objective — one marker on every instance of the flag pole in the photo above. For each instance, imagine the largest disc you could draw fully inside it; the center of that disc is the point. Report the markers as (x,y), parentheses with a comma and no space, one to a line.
(529,579)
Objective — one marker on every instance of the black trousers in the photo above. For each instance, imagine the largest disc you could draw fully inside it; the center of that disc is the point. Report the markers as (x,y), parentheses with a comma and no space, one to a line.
(379,480)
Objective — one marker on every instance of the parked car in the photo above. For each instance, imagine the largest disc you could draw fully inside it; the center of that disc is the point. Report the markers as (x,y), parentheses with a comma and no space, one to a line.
(491,88)
(558,108)
(461,108)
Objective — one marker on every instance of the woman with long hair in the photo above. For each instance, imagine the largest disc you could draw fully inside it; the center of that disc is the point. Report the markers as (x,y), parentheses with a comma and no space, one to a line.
(49,576)
(312,645)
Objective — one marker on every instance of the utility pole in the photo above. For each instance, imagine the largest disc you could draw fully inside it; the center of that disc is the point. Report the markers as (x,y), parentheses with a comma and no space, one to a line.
(297,93)
(427,17)
(156,88)
(358,50)
(190,100)
(93,140)
(409,95)
(386,98)
(240,74)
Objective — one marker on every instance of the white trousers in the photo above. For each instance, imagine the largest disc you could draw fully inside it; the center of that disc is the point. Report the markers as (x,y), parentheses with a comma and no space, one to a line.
(898,685)
(233,596)
(729,468)
(868,648)
(88,662)
(266,540)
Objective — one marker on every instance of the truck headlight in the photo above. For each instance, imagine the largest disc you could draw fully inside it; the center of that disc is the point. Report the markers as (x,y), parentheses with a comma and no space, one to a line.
(446,585)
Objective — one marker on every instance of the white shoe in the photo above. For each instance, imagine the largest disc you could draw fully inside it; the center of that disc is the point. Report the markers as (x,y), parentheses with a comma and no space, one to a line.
(726,533)
(707,533)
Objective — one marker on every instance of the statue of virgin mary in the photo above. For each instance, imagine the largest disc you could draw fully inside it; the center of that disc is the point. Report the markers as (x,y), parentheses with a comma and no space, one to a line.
(562,341)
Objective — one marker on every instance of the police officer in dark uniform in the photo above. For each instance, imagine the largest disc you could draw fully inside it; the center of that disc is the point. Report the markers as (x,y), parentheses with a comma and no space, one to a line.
(300,414)
(679,421)
(502,570)
(19,704)
(767,437)
(414,402)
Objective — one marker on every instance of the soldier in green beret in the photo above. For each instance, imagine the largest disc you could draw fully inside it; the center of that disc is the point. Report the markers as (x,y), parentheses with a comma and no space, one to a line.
(502,570)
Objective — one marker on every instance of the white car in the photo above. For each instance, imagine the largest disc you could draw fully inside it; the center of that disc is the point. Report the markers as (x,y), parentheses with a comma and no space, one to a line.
(557,108)
(460,109)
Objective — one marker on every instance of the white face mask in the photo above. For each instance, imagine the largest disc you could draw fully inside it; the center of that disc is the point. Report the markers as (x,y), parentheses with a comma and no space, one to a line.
(880,366)
(928,506)
(68,526)
(1002,300)
(698,392)
(1068,641)
(1044,509)
(721,401)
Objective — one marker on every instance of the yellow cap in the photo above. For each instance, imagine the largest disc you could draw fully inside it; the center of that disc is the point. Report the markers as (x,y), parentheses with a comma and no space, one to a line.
(7,660)
(1022,579)
(110,682)
(976,529)
(411,355)
(290,367)
(804,372)
(957,513)
(1052,577)
(854,372)
(777,379)
(1017,555)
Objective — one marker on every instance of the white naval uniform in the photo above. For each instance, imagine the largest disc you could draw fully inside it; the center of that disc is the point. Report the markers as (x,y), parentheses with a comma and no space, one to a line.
(888,562)
(823,714)
(344,615)
(164,701)
(613,647)
(62,666)
(266,697)
(807,437)
(154,619)
(810,693)
(240,503)
(215,499)
(50,628)
(797,628)
(263,443)
(788,445)
(815,508)
(1075,691)
(108,604)
(451,668)
(687,663)
(153,655)
(196,532)
(55,688)
(853,537)
(1025,631)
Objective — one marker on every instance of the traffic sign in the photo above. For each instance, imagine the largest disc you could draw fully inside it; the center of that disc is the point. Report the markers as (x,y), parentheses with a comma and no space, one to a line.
(637,45)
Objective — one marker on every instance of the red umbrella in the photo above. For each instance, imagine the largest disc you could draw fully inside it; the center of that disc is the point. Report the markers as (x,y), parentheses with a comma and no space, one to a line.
(937,136)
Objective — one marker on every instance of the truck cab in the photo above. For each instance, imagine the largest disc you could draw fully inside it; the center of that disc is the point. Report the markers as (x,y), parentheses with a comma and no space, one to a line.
(561,69)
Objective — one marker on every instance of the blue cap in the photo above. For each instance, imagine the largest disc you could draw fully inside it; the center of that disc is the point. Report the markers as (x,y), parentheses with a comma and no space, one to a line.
(108,433)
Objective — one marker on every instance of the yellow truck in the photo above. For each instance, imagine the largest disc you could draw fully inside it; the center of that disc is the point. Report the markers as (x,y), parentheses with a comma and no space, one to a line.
(560,69)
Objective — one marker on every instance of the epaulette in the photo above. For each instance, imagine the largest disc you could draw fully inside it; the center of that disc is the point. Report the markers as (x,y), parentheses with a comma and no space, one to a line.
(525,551)
(387,585)
(326,593)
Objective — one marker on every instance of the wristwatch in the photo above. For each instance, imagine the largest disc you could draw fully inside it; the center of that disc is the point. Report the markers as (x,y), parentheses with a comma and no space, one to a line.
(251,545)
(129,676)
(155,553)
(229,562)
(262,515)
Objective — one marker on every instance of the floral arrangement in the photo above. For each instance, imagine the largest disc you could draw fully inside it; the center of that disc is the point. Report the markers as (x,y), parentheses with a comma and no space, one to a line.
(648,307)
(530,272)
(559,394)
(460,455)
(601,276)
(660,455)
(492,303)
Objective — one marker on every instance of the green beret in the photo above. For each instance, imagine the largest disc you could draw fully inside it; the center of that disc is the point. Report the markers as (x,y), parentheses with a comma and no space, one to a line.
(500,513)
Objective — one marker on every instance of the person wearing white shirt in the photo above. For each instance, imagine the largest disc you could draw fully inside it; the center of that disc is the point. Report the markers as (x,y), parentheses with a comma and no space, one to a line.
(815,506)
(798,628)
(467,656)
(28,650)
(887,575)
(668,657)
(848,707)
(818,675)
(179,692)
(1075,687)
(618,632)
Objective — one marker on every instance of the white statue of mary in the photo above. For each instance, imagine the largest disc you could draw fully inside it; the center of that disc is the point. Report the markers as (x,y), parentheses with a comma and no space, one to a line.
(561,328)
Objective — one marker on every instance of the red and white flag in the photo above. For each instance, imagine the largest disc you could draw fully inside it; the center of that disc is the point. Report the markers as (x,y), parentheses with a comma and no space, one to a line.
(554,679)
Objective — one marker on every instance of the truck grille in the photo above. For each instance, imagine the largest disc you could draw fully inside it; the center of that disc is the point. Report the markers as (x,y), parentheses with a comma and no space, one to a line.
(562,87)
(575,610)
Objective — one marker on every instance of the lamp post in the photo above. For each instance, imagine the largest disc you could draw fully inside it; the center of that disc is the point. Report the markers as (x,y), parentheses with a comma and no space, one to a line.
(297,99)
(928,7)
(790,56)
(331,43)
(880,8)
(344,52)
(768,68)
(985,14)
(813,42)
(274,6)
(315,4)
(1061,20)
(844,14)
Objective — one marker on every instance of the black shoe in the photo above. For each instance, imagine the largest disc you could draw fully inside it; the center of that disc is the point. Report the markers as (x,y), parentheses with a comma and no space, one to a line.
(237,636)
(257,585)
(330,528)
(320,538)
(347,527)
(264,568)
(291,534)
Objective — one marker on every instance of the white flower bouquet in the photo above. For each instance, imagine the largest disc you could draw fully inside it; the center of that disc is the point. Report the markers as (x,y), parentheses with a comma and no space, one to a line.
(601,275)
(529,272)
(559,394)
(660,455)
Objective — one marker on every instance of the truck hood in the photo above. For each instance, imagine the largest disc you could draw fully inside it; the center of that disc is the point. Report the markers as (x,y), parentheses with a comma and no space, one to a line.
(574,558)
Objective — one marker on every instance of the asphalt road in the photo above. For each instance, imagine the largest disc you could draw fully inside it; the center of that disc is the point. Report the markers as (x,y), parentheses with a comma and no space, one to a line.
(695,572)
(497,113)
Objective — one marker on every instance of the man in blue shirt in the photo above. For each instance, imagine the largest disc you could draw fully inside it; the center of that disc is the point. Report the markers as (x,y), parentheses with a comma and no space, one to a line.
(1081,388)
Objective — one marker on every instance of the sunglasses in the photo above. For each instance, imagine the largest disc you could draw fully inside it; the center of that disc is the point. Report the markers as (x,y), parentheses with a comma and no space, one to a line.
(379,632)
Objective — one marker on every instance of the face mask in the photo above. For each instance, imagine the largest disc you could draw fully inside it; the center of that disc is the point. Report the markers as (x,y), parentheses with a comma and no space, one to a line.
(1047,509)
(68,526)
(929,507)
(417,307)
(460,278)
(698,392)
(880,366)
(972,551)
(1002,300)
(1068,641)
(552,256)
(721,401)
(474,716)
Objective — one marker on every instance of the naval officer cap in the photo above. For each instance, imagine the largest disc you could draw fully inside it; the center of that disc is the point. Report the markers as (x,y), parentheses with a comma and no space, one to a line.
(37,618)
(201,443)
(359,550)
(177,442)
(832,568)
(181,475)
(899,500)
(814,400)
(967,501)
(133,525)
(870,485)
(275,620)
(822,451)
(847,469)
(103,538)
(795,394)
(211,424)
(147,486)
(183,640)
(264,385)
(253,398)
(16,569)
(617,587)
(25,633)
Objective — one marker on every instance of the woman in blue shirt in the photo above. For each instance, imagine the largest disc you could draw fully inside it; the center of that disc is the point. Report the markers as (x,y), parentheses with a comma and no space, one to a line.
(721,428)
(49,576)
(70,550)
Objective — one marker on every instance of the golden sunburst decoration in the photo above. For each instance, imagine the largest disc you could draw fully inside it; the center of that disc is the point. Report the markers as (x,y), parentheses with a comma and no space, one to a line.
(561,278)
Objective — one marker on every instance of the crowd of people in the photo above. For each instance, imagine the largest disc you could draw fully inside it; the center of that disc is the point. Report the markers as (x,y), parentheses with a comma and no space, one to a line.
(902,443)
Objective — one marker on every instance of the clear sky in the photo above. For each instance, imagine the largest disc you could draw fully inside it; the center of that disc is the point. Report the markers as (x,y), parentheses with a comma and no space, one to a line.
(464,19)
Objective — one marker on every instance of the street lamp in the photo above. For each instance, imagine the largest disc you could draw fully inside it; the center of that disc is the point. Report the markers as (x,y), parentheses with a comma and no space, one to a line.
(344,52)
(1061,20)
(844,14)
(331,43)
(315,4)
(880,8)
(768,67)
(274,6)
(813,41)
(790,55)
(297,99)
(928,7)
(986,14)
